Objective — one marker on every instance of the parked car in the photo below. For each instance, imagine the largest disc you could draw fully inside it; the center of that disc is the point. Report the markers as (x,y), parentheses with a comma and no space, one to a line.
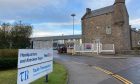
(62,49)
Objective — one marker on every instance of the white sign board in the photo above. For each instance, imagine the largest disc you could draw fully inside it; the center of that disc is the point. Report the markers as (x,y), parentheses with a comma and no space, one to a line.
(27,57)
(29,74)
(33,64)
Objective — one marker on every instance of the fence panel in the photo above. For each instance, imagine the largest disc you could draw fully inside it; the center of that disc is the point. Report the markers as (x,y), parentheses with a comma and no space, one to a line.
(90,47)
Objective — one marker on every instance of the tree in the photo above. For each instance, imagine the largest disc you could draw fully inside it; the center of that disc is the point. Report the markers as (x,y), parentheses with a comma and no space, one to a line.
(15,36)
(20,35)
(4,35)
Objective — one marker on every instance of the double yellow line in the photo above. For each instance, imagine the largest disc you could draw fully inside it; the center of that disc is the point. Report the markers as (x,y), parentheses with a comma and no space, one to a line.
(123,80)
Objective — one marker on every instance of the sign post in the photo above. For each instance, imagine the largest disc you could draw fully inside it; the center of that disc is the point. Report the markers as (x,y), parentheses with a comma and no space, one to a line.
(47,78)
(33,64)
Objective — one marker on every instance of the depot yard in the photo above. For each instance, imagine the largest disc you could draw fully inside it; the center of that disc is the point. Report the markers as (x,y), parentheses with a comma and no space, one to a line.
(58,76)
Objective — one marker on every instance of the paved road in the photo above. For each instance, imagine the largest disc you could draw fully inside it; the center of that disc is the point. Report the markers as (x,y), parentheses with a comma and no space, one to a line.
(84,74)
(127,67)
(80,73)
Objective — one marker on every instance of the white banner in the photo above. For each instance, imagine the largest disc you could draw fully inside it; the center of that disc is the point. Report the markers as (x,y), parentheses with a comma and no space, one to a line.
(29,74)
(27,57)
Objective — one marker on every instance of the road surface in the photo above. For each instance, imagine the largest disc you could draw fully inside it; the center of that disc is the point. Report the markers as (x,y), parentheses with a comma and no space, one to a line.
(126,67)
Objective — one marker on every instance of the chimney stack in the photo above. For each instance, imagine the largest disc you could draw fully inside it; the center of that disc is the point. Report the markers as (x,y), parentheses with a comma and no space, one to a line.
(88,10)
(120,12)
(119,1)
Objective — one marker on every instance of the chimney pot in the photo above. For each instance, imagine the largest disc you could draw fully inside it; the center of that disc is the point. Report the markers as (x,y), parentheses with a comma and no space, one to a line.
(88,10)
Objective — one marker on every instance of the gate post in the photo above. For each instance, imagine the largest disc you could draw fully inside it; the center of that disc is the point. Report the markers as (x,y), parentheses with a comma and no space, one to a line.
(97,49)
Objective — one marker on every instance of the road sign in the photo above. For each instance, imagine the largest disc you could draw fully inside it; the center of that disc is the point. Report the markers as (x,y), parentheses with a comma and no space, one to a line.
(33,64)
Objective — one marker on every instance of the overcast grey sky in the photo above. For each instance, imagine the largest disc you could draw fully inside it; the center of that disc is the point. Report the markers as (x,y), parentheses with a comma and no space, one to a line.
(52,17)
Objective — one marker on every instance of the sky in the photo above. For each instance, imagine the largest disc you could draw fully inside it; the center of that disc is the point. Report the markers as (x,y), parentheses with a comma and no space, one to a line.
(53,17)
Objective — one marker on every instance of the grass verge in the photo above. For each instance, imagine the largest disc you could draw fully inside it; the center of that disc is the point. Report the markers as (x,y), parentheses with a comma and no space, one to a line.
(58,76)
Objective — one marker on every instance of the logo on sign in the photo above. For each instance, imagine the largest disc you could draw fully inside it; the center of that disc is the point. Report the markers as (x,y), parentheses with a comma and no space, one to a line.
(24,75)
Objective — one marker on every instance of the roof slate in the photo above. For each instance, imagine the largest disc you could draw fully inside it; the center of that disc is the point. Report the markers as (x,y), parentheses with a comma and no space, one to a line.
(101,11)
(104,10)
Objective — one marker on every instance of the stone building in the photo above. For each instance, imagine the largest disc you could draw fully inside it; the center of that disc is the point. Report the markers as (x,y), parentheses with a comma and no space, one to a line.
(135,37)
(109,25)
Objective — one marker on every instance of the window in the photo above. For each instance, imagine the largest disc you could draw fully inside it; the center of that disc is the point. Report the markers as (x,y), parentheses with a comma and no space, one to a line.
(108,30)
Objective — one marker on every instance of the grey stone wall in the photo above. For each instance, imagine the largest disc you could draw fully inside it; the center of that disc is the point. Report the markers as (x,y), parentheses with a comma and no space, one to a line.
(122,29)
(95,28)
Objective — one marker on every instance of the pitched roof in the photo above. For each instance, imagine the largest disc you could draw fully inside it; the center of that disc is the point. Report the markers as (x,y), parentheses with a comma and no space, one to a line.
(104,10)
(101,11)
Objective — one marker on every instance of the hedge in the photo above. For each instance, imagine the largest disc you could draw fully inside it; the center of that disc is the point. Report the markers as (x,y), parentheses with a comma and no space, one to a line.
(8,63)
(8,58)
(9,53)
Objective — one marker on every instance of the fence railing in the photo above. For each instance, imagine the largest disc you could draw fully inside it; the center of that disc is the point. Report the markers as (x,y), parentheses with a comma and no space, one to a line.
(90,47)
(107,48)
(87,47)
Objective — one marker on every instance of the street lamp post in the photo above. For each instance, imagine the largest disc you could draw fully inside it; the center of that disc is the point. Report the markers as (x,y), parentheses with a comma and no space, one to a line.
(73,15)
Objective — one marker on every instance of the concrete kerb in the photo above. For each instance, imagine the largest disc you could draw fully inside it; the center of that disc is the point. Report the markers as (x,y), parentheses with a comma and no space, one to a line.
(116,56)
(67,80)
